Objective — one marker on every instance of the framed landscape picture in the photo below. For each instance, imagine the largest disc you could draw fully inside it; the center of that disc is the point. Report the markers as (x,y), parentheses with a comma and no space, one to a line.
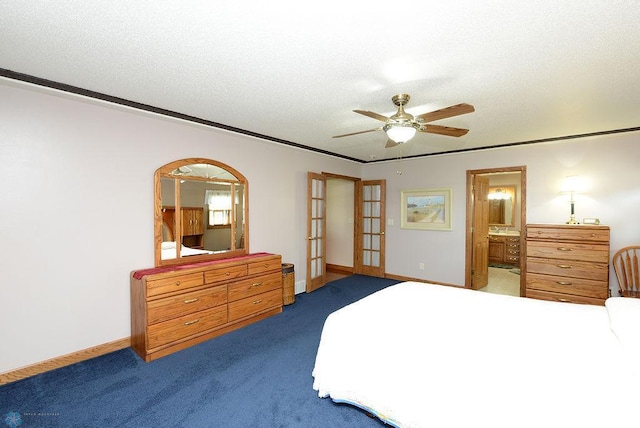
(427,209)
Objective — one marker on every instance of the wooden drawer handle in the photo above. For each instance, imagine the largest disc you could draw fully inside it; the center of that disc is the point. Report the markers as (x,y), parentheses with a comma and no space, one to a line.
(192,300)
(266,265)
(564,249)
(192,322)
(255,302)
(256,284)
(227,273)
(563,282)
(177,283)
(565,266)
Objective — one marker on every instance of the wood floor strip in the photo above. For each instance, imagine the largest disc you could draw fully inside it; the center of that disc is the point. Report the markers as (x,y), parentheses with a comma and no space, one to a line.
(64,360)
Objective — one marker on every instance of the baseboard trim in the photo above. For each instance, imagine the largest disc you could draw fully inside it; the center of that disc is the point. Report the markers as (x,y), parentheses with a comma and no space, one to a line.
(344,270)
(407,278)
(64,360)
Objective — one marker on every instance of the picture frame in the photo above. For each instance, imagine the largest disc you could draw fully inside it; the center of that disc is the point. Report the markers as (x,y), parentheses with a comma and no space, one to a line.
(426,209)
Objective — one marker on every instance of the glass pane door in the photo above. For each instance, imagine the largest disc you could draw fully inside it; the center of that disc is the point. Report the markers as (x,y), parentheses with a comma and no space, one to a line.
(316,222)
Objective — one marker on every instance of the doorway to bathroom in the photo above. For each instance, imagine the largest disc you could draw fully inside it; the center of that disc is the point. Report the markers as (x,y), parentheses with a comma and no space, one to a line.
(493,259)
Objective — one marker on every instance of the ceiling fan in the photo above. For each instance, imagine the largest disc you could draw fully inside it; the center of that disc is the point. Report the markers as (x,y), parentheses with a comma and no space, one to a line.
(402,126)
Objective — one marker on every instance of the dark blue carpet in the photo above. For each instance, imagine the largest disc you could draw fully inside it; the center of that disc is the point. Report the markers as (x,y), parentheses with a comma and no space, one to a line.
(258,376)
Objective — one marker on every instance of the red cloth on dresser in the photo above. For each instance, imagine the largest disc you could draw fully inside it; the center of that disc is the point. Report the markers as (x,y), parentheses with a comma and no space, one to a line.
(138,274)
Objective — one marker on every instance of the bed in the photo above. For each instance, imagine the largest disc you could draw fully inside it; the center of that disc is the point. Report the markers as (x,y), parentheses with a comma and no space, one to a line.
(425,355)
(169,251)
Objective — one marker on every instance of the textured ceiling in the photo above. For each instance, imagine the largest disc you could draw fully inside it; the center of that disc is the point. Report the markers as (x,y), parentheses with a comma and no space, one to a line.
(534,70)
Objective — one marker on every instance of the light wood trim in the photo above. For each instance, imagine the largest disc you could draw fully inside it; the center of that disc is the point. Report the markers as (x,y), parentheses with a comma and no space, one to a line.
(64,360)
(426,281)
(340,177)
(344,270)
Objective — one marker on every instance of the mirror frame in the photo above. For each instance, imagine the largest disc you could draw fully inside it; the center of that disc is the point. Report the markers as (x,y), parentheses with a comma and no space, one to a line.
(165,171)
(511,190)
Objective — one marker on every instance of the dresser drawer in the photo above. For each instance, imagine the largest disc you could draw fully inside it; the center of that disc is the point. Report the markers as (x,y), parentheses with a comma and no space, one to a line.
(569,268)
(267,265)
(559,297)
(254,304)
(565,250)
(174,283)
(187,303)
(251,287)
(225,273)
(574,233)
(567,285)
(180,328)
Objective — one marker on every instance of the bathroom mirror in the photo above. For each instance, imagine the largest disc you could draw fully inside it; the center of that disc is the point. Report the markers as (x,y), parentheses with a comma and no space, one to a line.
(502,206)
(200,212)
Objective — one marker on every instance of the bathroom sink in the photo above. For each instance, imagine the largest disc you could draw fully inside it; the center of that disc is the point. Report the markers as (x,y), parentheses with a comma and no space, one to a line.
(505,233)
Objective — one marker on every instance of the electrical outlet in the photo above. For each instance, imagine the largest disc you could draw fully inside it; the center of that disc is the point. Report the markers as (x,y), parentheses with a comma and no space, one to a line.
(421,266)
(390,221)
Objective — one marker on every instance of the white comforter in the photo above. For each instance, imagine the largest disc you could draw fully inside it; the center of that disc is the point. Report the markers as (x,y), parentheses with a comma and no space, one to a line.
(423,355)
(169,251)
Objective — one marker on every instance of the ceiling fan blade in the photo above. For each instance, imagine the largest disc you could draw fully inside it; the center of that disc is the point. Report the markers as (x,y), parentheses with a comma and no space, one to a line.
(446,112)
(356,133)
(373,115)
(390,143)
(445,130)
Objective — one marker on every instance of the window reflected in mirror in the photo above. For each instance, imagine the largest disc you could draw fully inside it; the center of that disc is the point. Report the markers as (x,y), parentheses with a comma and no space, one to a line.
(200,212)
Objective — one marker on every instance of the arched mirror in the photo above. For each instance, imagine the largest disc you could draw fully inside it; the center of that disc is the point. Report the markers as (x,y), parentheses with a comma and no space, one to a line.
(200,212)
(502,206)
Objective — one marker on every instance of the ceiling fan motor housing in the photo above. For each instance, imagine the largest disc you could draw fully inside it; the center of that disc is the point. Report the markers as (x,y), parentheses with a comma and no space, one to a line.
(401,116)
(402,126)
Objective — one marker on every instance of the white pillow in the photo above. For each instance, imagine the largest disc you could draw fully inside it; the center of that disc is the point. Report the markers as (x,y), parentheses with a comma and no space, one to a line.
(168,245)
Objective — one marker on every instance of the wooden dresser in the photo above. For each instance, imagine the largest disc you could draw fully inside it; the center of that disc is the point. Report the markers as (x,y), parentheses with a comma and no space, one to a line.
(175,307)
(567,263)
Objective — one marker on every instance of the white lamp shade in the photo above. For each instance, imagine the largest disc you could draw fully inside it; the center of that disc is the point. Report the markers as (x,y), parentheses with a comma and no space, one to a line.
(572,184)
(401,134)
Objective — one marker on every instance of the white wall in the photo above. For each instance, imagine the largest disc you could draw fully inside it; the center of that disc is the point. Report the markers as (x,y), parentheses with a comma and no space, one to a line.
(77,211)
(77,207)
(608,163)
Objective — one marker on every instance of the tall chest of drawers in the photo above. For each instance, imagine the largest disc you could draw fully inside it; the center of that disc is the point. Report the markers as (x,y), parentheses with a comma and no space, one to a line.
(174,308)
(567,263)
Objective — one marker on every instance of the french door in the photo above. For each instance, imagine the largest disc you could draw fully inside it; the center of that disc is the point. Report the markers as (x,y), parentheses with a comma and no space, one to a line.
(316,231)
(369,247)
(370,228)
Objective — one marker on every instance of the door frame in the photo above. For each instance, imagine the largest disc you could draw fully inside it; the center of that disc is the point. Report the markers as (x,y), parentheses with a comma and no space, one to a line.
(469,219)
(357,267)
(355,181)
(310,284)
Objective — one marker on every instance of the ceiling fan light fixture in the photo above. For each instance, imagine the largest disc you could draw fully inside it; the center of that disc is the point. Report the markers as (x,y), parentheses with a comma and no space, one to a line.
(400,132)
